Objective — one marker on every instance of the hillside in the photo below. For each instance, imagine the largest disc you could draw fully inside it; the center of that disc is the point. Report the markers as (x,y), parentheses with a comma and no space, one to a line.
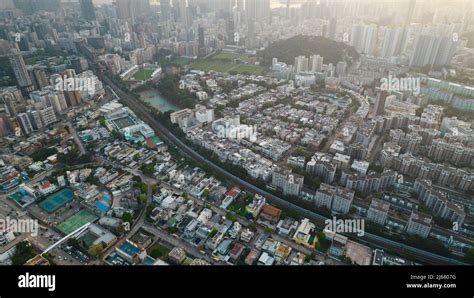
(287,50)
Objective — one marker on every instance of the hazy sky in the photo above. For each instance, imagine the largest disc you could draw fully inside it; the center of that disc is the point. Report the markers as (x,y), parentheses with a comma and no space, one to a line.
(275,3)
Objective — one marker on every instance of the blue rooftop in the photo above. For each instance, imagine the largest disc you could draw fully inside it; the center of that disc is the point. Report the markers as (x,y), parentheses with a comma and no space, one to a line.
(101,206)
(129,249)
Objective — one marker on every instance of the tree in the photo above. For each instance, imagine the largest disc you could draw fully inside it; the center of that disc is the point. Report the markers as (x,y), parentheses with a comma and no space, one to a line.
(205,193)
(102,122)
(231,216)
(469,255)
(127,217)
(142,198)
(149,209)
(97,250)
(212,233)
(268,230)
(43,153)
(286,50)
(119,230)
(309,257)
(299,151)
(23,252)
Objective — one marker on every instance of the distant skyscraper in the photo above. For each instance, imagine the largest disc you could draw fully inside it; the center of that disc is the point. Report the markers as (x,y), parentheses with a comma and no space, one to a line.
(185,17)
(315,63)
(240,5)
(224,6)
(251,33)
(132,9)
(87,9)
(364,38)
(341,67)
(251,9)
(467,15)
(380,102)
(124,9)
(165,8)
(21,73)
(301,64)
(31,6)
(258,10)
(410,12)
(230,29)
(392,42)
(433,50)
(288,10)
(7,4)
(332,28)
(263,9)
(201,41)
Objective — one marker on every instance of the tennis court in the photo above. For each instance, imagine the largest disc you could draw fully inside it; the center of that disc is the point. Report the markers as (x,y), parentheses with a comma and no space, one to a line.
(124,122)
(76,221)
(56,200)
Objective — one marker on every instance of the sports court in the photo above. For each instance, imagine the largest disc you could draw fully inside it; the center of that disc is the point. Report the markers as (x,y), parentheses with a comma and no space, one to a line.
(56,200)
(76,221)
(103,204)
(124,122)
(143,74)
(22,198)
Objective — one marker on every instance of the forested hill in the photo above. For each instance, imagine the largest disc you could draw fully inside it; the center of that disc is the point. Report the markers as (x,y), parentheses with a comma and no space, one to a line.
(286,50)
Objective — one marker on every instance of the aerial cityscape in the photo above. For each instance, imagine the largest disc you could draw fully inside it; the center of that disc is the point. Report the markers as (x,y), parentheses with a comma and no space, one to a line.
(237,132)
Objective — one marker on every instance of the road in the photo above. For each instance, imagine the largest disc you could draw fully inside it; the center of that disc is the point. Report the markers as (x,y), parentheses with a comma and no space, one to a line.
(319,220)
(78,141)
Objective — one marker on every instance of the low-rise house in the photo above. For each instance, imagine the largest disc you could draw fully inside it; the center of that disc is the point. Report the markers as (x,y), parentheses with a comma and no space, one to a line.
(270,214)
(282,252)
(177,255)
(286,227)
(265,259)
(246,235)
(304,234)
(236,251)
(252,256)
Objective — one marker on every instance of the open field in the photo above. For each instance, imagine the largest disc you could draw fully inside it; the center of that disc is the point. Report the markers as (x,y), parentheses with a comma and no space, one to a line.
(182,61)
(223,62)
(142,75)
(230,56)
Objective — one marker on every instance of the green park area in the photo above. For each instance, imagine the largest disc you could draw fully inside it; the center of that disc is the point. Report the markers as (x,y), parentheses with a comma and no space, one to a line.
(228,62)
(182,61)
(142,75)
